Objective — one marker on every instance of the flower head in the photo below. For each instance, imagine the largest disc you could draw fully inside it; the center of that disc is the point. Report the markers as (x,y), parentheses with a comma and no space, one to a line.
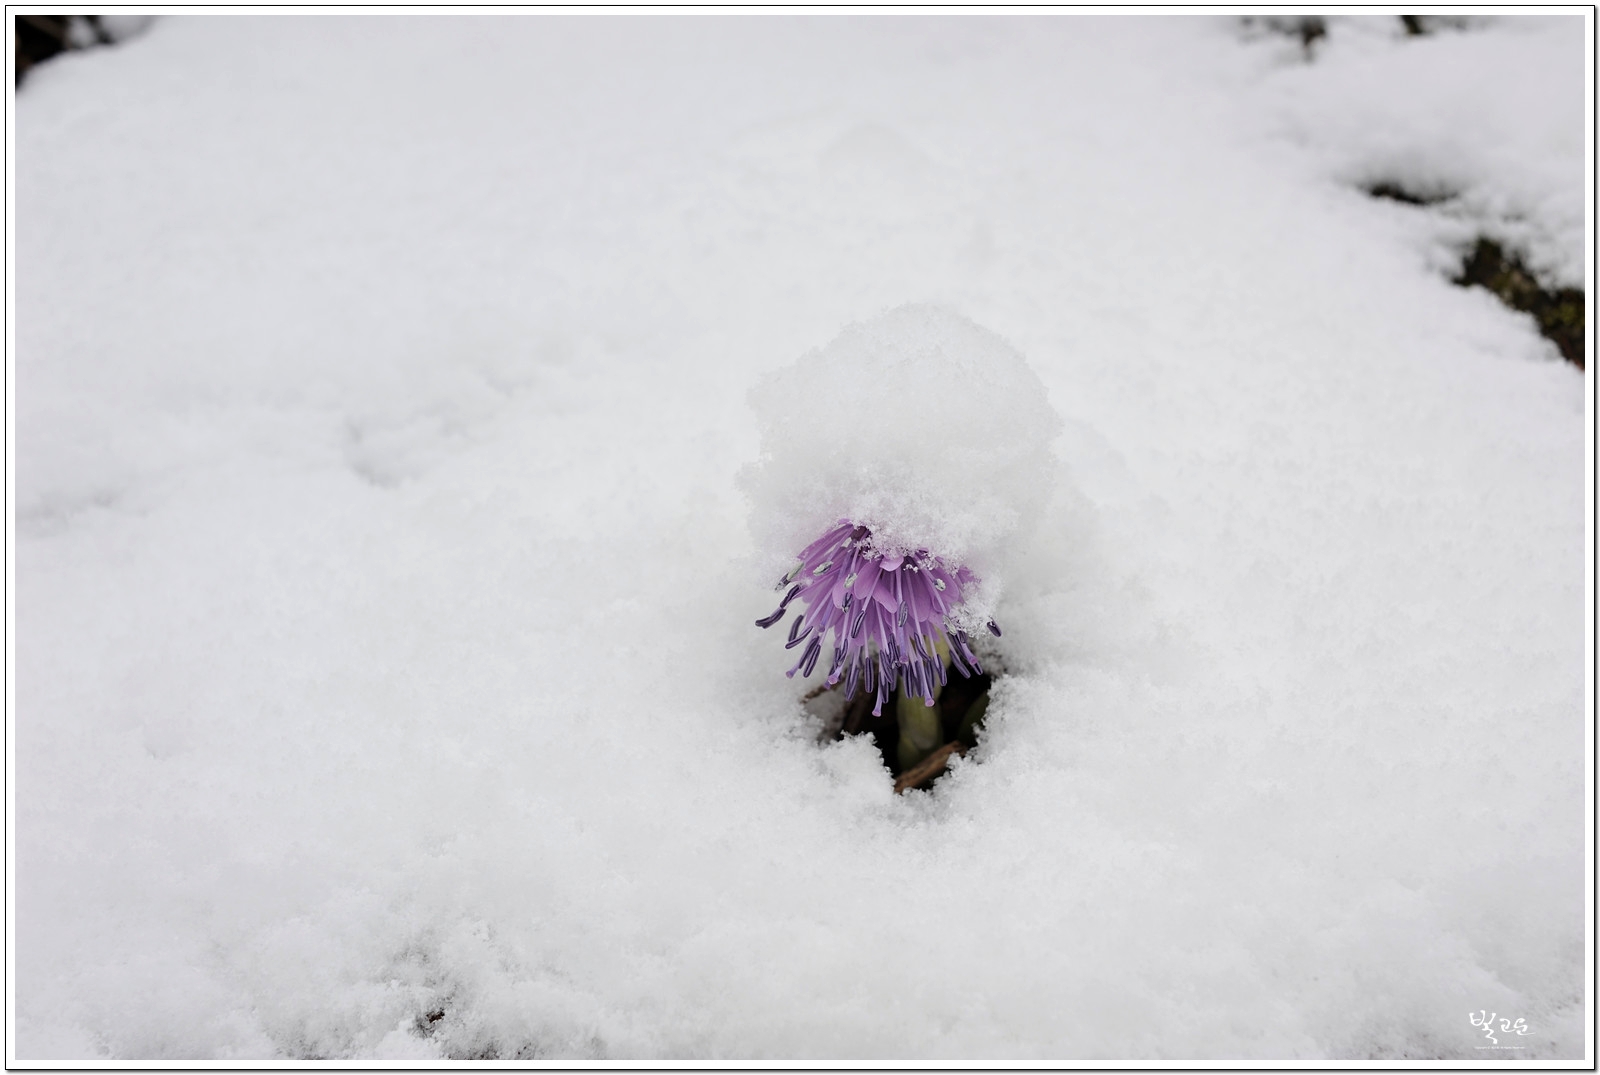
(890,615)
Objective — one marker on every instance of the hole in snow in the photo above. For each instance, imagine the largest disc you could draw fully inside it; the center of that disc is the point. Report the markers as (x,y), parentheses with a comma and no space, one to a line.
(1398,192)
(1424,25)
(424,1023)
(40,37)
(915,740)
(1309,29)
(1558,311)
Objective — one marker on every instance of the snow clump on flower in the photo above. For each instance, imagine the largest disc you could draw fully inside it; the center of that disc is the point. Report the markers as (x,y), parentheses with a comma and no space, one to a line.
(928,432)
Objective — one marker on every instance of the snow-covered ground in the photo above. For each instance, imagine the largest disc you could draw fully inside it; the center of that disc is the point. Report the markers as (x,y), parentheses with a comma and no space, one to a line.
(409,414)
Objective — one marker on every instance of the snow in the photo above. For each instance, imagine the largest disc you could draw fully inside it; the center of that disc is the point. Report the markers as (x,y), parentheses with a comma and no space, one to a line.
(917,424)
(1487,119)
(120,27)
(408,412)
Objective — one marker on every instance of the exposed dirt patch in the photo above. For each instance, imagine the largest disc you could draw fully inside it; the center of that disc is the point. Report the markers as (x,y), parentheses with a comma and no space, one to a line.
(1309,29)
(1424,25)
(39,37)
(1558,311)
(1395,192)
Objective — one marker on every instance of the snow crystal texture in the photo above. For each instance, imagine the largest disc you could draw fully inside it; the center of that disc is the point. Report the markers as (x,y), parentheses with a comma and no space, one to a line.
(390,516)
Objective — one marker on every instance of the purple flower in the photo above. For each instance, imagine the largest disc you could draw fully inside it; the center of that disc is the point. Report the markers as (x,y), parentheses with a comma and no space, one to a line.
(888,615)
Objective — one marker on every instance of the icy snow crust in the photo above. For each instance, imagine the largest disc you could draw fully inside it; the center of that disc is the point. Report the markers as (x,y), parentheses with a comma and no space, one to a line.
(386,683)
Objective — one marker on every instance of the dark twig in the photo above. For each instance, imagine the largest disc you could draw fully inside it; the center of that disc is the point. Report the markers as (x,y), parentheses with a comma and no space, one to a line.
(859,707)
(929,767)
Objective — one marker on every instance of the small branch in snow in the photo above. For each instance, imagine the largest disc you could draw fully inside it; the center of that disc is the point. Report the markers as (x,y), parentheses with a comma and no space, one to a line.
(929,767)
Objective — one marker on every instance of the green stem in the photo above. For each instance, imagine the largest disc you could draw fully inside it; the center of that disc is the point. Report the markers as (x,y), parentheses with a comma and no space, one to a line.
(921,725)
(973,719)
(921,732)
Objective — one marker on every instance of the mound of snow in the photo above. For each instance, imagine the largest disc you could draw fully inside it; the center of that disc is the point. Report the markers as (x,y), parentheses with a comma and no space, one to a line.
(919,425)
